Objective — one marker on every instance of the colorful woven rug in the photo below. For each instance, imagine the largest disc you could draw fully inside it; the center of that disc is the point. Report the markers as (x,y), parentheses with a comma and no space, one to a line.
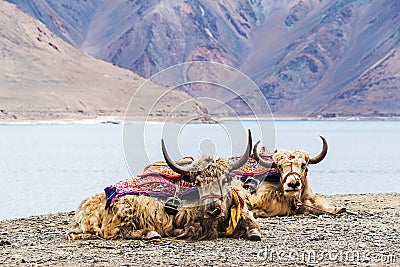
(254,170)
(158,181)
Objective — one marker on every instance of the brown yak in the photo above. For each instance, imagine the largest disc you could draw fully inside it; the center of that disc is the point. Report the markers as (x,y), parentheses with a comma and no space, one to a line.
(144,217)
(292,195)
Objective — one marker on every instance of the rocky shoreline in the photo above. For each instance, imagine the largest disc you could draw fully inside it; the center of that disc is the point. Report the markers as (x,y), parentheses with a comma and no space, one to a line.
(368,235)
(54,117)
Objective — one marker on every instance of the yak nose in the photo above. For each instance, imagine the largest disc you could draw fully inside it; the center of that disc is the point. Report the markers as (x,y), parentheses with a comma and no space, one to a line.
(213,210)
(294,185)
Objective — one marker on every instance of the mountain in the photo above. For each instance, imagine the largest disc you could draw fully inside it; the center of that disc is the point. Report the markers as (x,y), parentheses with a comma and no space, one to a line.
(309,57)
(334,48)
(42,77)
(376,91)
(147,36)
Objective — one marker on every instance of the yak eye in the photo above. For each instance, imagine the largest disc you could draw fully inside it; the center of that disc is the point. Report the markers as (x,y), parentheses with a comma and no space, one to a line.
(280,166)
(303,165)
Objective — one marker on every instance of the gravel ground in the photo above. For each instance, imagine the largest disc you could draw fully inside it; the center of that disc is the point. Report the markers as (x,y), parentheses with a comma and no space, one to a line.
(366,236)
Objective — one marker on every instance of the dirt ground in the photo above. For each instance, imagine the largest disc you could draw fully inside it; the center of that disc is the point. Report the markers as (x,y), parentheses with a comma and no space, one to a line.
(368,235)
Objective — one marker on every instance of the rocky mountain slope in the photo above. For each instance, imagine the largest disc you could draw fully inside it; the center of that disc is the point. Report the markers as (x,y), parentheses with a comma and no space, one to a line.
(147,36)
(309,57)
(42,77)
(333,56)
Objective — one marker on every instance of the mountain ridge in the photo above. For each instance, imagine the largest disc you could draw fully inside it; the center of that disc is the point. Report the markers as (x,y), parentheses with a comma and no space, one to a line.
(302,54)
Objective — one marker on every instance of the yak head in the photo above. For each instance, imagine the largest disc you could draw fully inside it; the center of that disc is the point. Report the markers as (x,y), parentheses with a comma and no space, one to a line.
(292,167)
(212,178)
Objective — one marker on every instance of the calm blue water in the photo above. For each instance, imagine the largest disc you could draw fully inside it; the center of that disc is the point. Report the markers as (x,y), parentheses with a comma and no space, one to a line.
(51,168)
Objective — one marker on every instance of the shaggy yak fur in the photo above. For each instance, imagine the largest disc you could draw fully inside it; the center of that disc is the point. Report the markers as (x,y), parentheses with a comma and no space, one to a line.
(143,217)
(292,195)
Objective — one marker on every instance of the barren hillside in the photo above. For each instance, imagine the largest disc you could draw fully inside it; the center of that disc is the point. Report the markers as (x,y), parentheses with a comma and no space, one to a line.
(42,77)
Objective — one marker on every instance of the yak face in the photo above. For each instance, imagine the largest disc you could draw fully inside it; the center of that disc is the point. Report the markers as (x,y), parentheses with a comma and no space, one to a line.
(292,166)
(212,195)
(211,177)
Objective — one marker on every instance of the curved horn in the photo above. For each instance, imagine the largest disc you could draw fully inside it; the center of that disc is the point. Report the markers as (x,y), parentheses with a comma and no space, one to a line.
(175,167)
(245,156)
(322,154)
(261,161)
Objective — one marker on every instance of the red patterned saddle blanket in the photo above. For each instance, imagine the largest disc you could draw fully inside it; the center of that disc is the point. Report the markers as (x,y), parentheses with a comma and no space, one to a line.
(254,170)
(157,180)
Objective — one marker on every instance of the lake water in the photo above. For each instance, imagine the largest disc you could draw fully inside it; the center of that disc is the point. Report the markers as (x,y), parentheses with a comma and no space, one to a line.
(52,168)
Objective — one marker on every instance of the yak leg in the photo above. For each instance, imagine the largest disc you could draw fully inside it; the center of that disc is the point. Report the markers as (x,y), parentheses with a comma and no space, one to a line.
(142,234)
(190,232)
(178,231)
(319,205)
(79,235)
(254,234)
(260,213)
(253,230)
(86,228)
(247,227)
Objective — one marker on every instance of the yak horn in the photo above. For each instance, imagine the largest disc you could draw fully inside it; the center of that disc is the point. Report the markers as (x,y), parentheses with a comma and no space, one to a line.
(175,167)
(239,163)
(321,155)
(261,161)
